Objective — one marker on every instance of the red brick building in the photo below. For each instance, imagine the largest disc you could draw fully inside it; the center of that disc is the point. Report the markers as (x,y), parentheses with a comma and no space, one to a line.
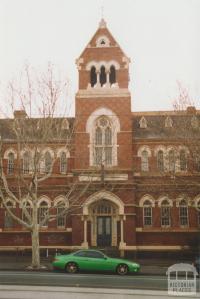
(144,194)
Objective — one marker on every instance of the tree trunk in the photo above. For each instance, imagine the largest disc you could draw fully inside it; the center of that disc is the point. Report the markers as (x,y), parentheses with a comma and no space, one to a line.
(35,247)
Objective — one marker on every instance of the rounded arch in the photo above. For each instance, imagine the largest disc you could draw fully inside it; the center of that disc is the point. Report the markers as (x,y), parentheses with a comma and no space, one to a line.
(147,197)
(26,150)
(26,201)
(142,149)
(196,201)
(10,151)
(182,197)
(61,199)
(100,112)
(99,64)
(49,150)
(183,148)
(10,200)
(161,199)
(62,150)
(45,199)
(159,148)
(103,195)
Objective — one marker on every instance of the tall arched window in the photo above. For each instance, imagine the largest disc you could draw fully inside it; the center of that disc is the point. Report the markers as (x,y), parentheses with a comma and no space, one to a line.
(183,160)
(63,163)
(160,161)
(112,75)
(147,213)
(102,75)
(11,160)
(165,213)
(144,161)
(26,212)
(9,222)
(43,213)
(26,163)
(171,160)
(103,142)
(47,162)
(93,76)
(183,213)
(61,217)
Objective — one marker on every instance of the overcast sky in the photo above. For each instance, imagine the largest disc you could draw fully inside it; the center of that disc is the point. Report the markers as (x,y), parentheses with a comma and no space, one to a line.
(161,37)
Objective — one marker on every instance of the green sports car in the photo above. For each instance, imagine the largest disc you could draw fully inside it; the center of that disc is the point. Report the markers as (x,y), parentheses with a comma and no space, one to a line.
(93,260)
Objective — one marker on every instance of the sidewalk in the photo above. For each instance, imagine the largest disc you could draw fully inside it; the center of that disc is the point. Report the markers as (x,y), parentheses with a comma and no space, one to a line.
(148,267)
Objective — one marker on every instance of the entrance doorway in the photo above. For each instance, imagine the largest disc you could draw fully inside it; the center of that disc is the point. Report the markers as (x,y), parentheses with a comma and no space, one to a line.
(104,229)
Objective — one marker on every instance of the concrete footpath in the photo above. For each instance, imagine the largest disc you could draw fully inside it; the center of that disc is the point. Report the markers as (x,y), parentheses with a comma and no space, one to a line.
(32,292)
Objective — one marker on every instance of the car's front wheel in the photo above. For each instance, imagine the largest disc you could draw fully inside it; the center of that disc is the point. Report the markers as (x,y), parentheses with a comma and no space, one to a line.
(71,267)
(122,269)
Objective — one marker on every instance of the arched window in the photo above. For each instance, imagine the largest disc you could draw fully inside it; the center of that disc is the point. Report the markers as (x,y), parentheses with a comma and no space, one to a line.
(103,142)
(61,218)
(93,76)
(26,163)
(183,213)
(43,213)
(147,213)
(47,162)
(26,211)
(160,161)
(165,213)
(63,163)
(112,75)
(102,75)
(11,160)
(9,222)
(183,160)
(171,157)
(144,161)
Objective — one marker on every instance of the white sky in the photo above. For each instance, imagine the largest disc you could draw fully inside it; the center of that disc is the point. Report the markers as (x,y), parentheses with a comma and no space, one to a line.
(162,38)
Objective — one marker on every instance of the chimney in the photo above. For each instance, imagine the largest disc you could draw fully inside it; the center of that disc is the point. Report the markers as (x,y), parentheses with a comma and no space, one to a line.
(20,114)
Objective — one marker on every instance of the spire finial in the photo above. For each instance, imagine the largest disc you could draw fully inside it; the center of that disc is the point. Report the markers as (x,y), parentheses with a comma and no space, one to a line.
(102,23)
(102,12)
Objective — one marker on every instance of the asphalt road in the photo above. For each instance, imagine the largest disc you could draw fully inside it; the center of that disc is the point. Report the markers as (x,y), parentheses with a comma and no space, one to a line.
(83,280)
(141,282)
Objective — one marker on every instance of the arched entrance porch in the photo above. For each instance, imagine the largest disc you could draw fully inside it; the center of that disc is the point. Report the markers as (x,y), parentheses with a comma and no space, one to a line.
(104,210)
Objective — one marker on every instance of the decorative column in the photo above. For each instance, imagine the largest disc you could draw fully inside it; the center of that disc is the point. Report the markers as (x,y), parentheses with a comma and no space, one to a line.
(98,79)
(85,242)
(107,78)
(122,243)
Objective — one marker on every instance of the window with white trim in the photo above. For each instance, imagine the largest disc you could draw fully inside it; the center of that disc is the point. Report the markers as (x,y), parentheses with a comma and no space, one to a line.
(43,213)
(11,159)
(147,213)
(26,163)
(144,161)
(165,213)
(103,142)
(61,217)
(8,221)
(160,161)
(47,162)
(171,157)
(26,210)
(63,163)
(183,160)
(183,213)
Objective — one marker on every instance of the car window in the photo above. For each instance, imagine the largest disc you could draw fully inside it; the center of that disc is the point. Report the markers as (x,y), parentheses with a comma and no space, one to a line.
(80,253)
(95,254)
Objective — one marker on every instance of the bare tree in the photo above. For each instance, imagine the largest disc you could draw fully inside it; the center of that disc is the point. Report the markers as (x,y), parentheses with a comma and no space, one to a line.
(34,128)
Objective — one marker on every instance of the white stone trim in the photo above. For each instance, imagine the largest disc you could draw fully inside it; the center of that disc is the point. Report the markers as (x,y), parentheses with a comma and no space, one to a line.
(160,148)
(22,202)
(61,198)
(115,126)
(100,38)
(196,201)
(62,150)
(8,151)
(147,197)
(44,198)
(182,197)
(163,198)
(47,149)
(144,148)
(103,195)
(11,200)
(99,64)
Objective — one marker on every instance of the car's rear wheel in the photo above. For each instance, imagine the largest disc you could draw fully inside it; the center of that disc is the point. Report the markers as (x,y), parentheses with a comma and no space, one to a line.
(71,267)
(122,269)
